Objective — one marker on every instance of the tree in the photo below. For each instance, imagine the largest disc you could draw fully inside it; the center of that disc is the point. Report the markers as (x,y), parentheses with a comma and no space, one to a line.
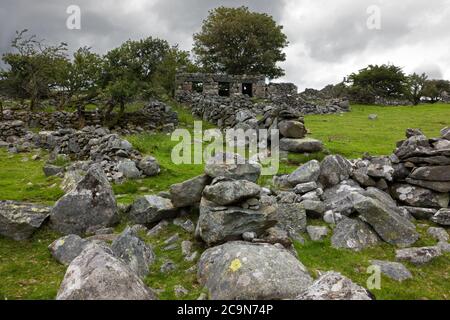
(387,81)
(237,41)
(128,70)
(33,69)
(435,88)
(415,87)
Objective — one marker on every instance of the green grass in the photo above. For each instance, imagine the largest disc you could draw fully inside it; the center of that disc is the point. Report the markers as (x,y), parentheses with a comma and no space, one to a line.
(22,179)
(427,282)
(27,270)
(352,134)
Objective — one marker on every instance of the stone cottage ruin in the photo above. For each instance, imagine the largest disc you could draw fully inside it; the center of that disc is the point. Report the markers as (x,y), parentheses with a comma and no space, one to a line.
(220,85)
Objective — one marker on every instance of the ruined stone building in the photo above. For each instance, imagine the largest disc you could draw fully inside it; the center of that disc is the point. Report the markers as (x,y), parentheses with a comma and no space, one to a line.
(220,85)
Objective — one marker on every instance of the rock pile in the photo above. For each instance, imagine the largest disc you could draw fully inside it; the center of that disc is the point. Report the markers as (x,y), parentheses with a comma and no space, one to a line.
(10,131)
(116,156)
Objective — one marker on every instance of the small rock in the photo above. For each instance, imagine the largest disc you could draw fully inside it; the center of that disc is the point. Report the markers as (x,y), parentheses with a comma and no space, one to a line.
(439,234)
(317,233)
(180,291)
(393,270)
(168,266)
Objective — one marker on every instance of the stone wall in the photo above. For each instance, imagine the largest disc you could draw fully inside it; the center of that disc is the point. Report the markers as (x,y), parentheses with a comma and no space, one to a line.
(11,130)
(154,116)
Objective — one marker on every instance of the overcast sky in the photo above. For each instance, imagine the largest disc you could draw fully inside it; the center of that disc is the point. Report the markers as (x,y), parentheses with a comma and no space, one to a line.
(328,39)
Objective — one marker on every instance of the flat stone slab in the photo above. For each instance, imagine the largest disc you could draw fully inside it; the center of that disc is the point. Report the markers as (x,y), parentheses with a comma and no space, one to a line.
(393,270)
(305,145)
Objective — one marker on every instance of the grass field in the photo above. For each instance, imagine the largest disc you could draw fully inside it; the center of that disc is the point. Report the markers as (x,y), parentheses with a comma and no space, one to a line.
(27,271)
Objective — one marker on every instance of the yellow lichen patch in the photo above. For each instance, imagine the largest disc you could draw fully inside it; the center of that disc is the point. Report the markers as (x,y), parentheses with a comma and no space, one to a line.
(235,265)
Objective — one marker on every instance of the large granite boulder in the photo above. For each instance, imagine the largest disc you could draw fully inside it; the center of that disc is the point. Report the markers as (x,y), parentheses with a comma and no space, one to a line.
(98,275)
(244,271)
(88,206)
(134,252)
(151,209)
(333,170)
(188,193)
(20,220)
(227,192)
(232,166)
(218,224)
(353,234)
(388,224)
(334,286)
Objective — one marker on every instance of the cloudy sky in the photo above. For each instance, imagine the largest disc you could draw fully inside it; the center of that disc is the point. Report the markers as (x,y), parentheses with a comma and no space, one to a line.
(328,39)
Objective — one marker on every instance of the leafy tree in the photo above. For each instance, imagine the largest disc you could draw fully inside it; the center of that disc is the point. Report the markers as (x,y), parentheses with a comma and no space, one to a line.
(33,68)
(435,88)
(415,87)
(387,81)
(128,70)
(238,41)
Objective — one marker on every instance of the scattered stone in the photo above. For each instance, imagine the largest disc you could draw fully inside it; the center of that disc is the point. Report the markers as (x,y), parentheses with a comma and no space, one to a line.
(128,169)
(168,266)
(180,291)
(158,228)
(240,270)
(186,224)
(90,204)
(393,270)
(439,234)
(149,166)
(192,257)
(134,252)
(421,213)
(150,209)
(334,286)
(442,217)
(418,256)
(98,275)
(186,247)
(353,234)
(188,193)
(291,217)
(317,233)
(373,117)
(20,220)
(314,209)
(172,239)
(67,248)
(445,133)
(332,218)
(292,129)
(52,170)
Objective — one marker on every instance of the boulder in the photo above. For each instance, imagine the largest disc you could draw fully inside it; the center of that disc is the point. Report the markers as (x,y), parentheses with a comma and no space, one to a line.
(333,170)
(98,275)
(149,166)
(20,220)
(334,286)
(91,204)
(393,270)
(292,129)
(341,198)
(305,187)
(71,180)
(305,145)
(388,224)
(314,209)
(150,209)
(134,252)
(232,166)
(421,213)
(380,168)
(188,193)
(128,169)
(218,224)
(442,217)
(52,170)
(418,256)
(67,248)
(445,133)
(229,192)
(353,234)
(419,197)
(307,173)
(317,233)
(244,271)
(291,217)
